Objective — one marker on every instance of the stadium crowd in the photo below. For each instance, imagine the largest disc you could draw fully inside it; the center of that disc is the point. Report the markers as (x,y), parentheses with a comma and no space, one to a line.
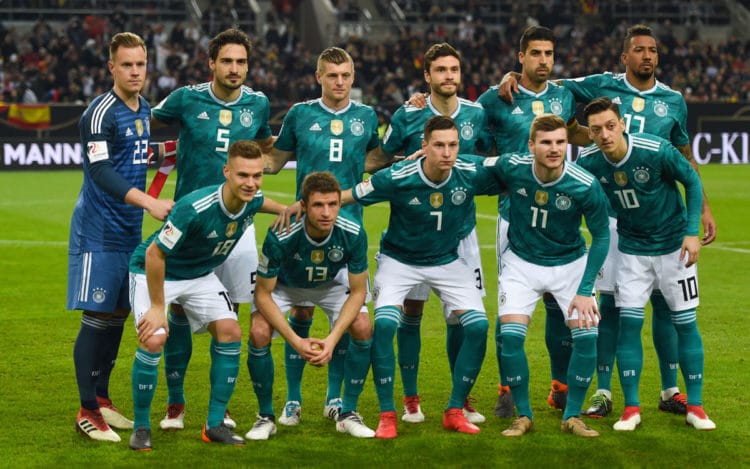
(68,63)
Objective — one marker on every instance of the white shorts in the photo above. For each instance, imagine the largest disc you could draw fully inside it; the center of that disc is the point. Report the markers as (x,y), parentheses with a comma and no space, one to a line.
(342,278)
(605,279)
(638,276)
(330,298)
(453,283)
(502,241)
(237,273)
(522,284)
(204,300)
(468,251)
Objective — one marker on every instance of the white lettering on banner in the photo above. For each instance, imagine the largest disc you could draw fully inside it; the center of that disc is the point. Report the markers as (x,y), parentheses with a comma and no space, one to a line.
(733,148)
(48,154)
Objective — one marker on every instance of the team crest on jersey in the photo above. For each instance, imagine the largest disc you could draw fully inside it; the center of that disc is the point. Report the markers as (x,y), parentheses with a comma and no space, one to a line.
(458,196)
(225,117)
(541,197)
(316,256)
(641,175)
(436,199)
(231,229)
(555,106)
(537,107)
(621,178)
(357,128)
(467,131)
(99,295)
(335,254)
(337,126)
(502,299)
(660,108)
(246,118)
(638,104)
(562,202)
(139,127)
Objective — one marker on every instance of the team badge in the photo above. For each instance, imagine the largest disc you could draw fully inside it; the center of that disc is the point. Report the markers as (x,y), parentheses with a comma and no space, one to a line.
(638,104)
(621,178)
(335,254)
(537,107)
(231,229)
(225,117)
(99,295)
(660,108)
(541,197)
(316,256)
(555,106)
(467,131)
(337,126)
(641,175)
(246,118)
(502,299)
(357,128)
(139,127)
(436,199)
(562,202)
(458,197)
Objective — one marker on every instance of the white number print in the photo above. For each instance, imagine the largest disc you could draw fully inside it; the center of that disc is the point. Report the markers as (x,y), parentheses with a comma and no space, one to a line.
(439,216)
(336,150)
(222,138)
(317,274)
(628,198)
(631,118)
(140,154)
(536,214)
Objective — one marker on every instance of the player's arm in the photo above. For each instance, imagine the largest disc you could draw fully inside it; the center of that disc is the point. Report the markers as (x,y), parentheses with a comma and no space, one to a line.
(155,318)
(349,311)
(377,158)
(508,86)
(271,206)
(270,310)
(266,144)
(111,182)
(578,134)
(275,160)
(707,217)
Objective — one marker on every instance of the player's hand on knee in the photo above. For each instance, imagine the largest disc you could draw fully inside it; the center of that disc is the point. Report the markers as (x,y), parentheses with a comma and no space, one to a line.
(588,313)
(152,321)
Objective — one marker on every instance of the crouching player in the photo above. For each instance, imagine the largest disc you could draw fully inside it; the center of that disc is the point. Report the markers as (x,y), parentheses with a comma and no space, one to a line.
(175,265)
(300,265)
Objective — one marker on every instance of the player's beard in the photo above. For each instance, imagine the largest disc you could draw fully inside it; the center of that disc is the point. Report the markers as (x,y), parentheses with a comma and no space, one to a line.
(438,90)
(645,75)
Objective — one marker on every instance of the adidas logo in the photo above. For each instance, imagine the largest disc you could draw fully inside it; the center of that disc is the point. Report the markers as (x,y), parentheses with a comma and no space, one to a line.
(297,257)
(203,115)
(128,132)
(212,235)
(617,100)
(522,191)
(415,201)
(517,110)
(603,180)
(315,127)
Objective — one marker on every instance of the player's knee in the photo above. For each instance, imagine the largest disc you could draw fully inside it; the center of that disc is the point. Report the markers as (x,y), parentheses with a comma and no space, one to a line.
(225,330)
(476,330)
(154,344)
(260,331)
(361,328)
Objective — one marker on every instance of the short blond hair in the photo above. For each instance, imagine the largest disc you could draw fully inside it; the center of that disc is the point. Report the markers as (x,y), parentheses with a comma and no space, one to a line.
(126,39)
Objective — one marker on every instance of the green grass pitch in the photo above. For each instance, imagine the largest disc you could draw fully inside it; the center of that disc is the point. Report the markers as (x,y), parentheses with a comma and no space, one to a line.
(39,399)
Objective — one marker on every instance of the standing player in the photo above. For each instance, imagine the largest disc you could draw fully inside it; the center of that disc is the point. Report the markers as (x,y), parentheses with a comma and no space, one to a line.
(212,116)
(509,125)
(652,107)
(106,227)
(176,265)
(442,72)
(301,265)
(547,254)
(334,134)
(658,247)
(421,247)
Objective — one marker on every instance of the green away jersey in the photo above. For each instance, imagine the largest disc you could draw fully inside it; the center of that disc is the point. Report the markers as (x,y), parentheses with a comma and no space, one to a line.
(406,132)
(510,124)
(545,218)
(327,140)
(422,228)
(651,216)
(300,262)
(658,111)
(199,234)
(208,126)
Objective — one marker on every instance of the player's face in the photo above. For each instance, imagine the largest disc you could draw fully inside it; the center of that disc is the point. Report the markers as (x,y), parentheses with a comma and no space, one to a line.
(230,67)
(606,130)
(128,68)
(537,60)
(444,76)
(244,177)
(322,209)
(336,82)
(549,148)
(441,149)
(642,57)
